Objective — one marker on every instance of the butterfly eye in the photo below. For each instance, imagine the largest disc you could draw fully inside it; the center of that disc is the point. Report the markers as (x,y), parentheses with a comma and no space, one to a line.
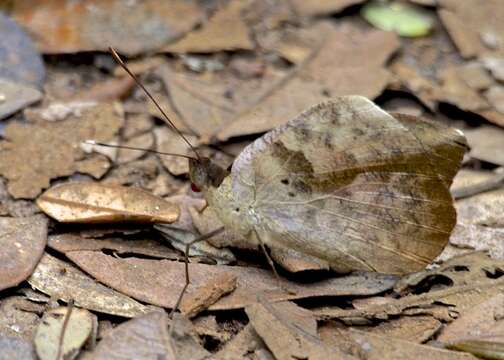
(195,188)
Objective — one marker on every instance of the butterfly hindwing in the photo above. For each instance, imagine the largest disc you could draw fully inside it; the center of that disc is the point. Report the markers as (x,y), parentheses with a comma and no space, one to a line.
(350,184)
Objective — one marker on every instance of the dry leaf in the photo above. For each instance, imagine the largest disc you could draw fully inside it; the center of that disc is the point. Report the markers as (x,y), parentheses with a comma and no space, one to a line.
(142,141)
(466,281)
(226,30)
(169,141)
(15,348)
(16,96)
(65,243)
(97,203)
(476,28)
(290,332)
(109,90)
(147,337)
(329,71)
(22,241)
(79,328)
(244,343)
(483,209)
(160,282)
(53,147)
(63,26)
(19,317)
(487,143)
(375,347)
(321,7)
(202,297)
(484,321)
(468,238)
(63,281)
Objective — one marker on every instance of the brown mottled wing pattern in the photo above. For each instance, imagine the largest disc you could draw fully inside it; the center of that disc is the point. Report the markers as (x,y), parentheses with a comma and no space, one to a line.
(351,184)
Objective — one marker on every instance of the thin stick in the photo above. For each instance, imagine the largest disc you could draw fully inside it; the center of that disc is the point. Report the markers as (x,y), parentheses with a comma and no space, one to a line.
(63,329)
(92,142)
(172,125)
(186,259)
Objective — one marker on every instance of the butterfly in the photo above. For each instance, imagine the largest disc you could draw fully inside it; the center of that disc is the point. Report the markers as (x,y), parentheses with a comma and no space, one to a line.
(345,184)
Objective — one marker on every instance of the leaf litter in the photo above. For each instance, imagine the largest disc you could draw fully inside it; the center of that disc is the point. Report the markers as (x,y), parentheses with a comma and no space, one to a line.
(295,55)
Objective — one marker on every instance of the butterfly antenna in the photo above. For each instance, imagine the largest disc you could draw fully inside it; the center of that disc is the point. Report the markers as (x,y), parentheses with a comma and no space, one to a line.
(92,142)
(118,59)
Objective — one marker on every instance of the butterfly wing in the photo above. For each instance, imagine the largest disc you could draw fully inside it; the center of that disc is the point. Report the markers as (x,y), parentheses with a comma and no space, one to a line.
(350,184)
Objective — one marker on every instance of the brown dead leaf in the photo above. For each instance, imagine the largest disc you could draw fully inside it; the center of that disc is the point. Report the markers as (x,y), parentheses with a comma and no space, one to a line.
(109,90)
(467,238)
(95,165)
(63,26)
(65,243)
(375,347)
(16,96)
(321,7)
(484,209)
(476,28)
(80,326)
(142,141)
(169,141)
(15,348)
(483,321)
(465,281)
(329,71)
(90,202)
(417,329)
(64,282)
(147,337)
(136,124)
(244,343)
(290,331)
(19,317)
(226,30)
(487,143)
(160,282)
(201,298)
(53,147)
(22,241)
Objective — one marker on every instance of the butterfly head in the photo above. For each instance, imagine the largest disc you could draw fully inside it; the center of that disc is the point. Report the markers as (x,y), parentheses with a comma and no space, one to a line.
(204,174)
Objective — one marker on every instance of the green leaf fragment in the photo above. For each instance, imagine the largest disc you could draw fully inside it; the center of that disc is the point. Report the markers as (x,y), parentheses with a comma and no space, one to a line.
(404,19)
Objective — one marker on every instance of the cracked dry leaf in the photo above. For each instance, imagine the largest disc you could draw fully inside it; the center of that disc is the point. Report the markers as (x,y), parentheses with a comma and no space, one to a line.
(22,241)
(159,282)
(483,322)
(329,71)
(417,329)
(375,347)
(79,328)
(53,148)
(65,26)
(65,243)
(290,331)
(88,202)
(208,294)
(466,281)
(483,209)
(225,30)
(63,281)
(147,337)
(142,141)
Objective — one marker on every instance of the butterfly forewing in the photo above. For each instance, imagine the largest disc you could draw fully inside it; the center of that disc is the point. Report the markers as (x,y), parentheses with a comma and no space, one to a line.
(350,184)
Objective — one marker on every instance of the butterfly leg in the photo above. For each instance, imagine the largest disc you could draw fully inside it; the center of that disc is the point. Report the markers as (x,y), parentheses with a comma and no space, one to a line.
(272,264)
(186,259)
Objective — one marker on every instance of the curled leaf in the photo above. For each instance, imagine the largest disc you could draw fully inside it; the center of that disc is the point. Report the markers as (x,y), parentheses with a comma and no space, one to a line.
(96,203)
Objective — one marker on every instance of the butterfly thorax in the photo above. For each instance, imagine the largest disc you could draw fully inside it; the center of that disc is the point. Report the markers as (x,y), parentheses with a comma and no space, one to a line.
(216,184)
